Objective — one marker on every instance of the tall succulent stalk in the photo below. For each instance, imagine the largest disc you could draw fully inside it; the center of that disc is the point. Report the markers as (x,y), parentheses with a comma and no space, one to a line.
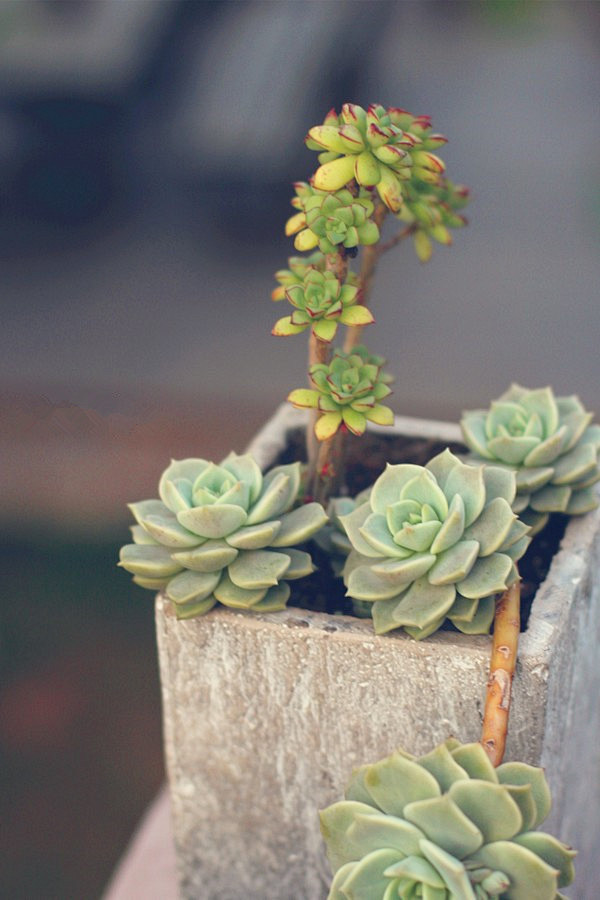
(507,622)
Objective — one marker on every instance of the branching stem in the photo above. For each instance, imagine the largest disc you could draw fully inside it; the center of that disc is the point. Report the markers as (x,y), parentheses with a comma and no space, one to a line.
(505,641)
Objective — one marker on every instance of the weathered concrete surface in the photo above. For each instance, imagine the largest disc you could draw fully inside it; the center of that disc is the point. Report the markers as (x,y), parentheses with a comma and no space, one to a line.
(265,716)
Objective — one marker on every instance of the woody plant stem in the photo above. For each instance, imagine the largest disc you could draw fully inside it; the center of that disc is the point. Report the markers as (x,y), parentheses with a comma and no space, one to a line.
(507,623)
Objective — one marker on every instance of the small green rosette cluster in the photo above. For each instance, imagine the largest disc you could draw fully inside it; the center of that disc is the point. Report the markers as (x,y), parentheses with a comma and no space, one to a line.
(348,391)
(444,826)
(320,303)
(432,210)
(378,147)
(331,221)
(298,266)
(222,533)
(435,542)
(550,445)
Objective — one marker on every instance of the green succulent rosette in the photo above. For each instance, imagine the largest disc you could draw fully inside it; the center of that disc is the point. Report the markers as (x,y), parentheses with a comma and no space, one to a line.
(435,542)
(222,534)
(320,303)
(331,221)
(297,269)
(445,826)
(550,445)
(348,391)
(378,147)
(432,210)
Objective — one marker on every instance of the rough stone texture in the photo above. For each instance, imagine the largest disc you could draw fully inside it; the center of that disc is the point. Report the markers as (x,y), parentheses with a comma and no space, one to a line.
(266,715)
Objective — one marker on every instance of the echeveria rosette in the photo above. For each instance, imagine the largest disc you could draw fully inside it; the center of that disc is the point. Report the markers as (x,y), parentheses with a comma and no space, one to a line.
(550,445)
(222,533)
(321,302)
(378,147)
(348,391)
(444,826)
(297,269)
(432,210)
(331,221)
(435,542)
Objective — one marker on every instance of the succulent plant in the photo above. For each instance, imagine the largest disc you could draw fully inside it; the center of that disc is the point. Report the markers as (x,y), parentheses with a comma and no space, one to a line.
(222,533)
(379,147)
(444,826)
(433,210)
(347,391)
(547,442)
(297,269)
(321,302)
(331,220)
(435,542)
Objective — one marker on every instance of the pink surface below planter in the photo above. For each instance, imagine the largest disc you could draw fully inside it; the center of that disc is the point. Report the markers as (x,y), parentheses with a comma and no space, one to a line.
(266,715)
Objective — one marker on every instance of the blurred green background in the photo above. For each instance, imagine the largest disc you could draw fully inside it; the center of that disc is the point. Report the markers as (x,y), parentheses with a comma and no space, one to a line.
(146,153)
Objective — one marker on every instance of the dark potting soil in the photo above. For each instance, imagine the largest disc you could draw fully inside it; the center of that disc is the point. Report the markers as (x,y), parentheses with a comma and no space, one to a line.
(366,458)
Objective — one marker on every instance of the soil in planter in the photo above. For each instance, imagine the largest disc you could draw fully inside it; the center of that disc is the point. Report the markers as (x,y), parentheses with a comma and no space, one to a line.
(366,459)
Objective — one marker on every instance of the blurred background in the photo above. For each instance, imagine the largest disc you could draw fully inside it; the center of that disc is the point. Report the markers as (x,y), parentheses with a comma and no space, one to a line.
(147,149)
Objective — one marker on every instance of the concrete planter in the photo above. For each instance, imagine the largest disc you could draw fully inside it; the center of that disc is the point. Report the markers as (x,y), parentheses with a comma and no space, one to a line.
(266,715)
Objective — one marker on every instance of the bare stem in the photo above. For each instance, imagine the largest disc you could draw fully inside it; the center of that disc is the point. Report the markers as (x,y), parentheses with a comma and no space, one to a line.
(328,470)
(505,641)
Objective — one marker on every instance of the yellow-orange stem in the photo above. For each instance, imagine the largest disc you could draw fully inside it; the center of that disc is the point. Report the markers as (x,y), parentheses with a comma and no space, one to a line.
(507,623)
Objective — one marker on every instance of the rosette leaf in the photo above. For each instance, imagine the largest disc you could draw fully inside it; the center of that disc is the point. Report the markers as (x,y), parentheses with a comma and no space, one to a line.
(320,302)
(348,391)
(432,210)
(550,445)
(297,269)
(222,533)
(331,221)
(443,826)
(379,148)
(434,543)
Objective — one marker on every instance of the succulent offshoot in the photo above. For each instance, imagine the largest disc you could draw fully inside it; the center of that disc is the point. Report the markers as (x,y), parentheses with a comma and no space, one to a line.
(550,445)
(346,392)
(443,826)
(222,534)
(434,543)
(331,221)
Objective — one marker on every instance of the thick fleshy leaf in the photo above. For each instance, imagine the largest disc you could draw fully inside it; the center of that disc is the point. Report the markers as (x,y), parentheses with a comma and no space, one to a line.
(424,489)
(517,549)
(284,327)
(327,425)
(532,479)
(335,174)
(444,768)
(245,468)
(473,428)
(211,556)
(481,621)
(375,532)
(366,880)
(380,415)
(575,465)
(141,536)
(418,870)
(401,572)
(424,603)
(522,773)
(148,561)
(144,508)
(280,490)
(451,869)
(546,452)
(463,610)
(499,481)
(388,487)
(188,587)
(216,521)
(257,569)
(336,820)
(366,169)
(551,499)
(300,564)
(523,797)
(441,465)
(512,450)
(444,823)
(194,609)
(357,315)
(305,398)
(372,830)
(352,524)
(516,532)
(394,782)
(454,564)
(530,877)
(274,600)
(582,501)
(364,584)
(255,537)
(491,528)
(543,403)
(475,761)
(418,537)
(488,576)
(356,422)
(325,329)
(152,584)
(489,806)
(230,594)
(167,531)
(389,189)
(468,482)
(356,789)
(552,851)
(299,525)
(184,469)
(453,527)
(176,493)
